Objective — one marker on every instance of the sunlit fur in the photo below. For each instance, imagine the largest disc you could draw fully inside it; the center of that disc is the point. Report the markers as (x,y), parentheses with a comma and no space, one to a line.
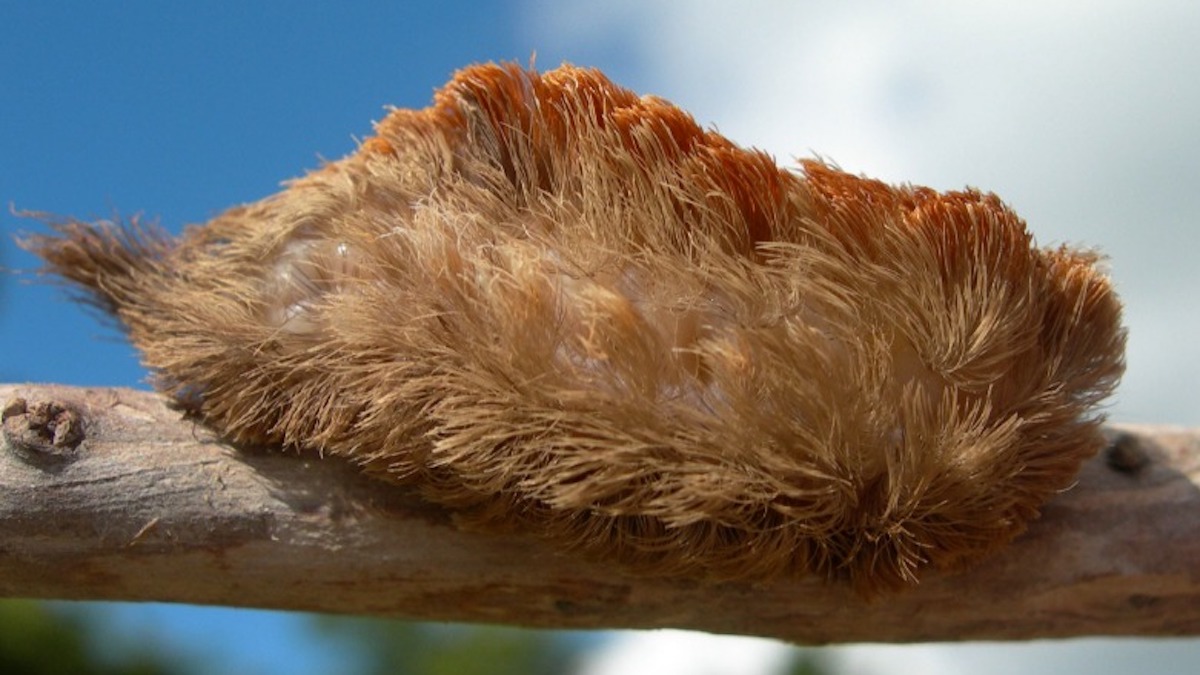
(562,308)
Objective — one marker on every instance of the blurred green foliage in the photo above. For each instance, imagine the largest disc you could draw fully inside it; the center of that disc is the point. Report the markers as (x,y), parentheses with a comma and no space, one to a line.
(34,640)
(806,662)
(409,648)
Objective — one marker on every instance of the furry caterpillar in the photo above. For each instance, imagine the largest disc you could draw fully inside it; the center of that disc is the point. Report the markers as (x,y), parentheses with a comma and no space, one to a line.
(555,305)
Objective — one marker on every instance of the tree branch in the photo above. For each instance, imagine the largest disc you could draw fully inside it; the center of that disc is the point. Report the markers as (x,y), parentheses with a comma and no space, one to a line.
(108,494)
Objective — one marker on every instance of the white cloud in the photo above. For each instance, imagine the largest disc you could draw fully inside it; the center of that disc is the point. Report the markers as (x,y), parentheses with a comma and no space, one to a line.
(675,652)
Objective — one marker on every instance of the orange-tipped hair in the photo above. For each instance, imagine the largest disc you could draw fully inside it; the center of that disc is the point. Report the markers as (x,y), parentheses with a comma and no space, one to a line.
(555,305)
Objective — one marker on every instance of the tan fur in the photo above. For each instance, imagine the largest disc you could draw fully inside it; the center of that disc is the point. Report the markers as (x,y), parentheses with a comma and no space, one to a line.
(558,306)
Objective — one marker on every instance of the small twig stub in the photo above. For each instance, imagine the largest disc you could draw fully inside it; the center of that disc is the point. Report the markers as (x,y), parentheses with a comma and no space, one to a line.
(43,430)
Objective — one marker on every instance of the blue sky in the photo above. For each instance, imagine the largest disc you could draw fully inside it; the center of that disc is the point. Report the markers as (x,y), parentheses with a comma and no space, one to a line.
(1082,115)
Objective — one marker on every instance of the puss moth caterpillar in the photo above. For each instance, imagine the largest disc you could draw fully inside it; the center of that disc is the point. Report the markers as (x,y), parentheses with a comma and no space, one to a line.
(555,305)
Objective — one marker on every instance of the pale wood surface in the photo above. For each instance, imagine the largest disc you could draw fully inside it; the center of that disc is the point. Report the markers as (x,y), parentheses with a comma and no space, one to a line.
(119,498)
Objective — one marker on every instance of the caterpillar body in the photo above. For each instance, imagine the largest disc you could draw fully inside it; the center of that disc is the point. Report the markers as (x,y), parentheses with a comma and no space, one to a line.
(554,305)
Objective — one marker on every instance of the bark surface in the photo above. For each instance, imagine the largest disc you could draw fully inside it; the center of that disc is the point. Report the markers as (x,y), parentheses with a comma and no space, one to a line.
(108,494)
